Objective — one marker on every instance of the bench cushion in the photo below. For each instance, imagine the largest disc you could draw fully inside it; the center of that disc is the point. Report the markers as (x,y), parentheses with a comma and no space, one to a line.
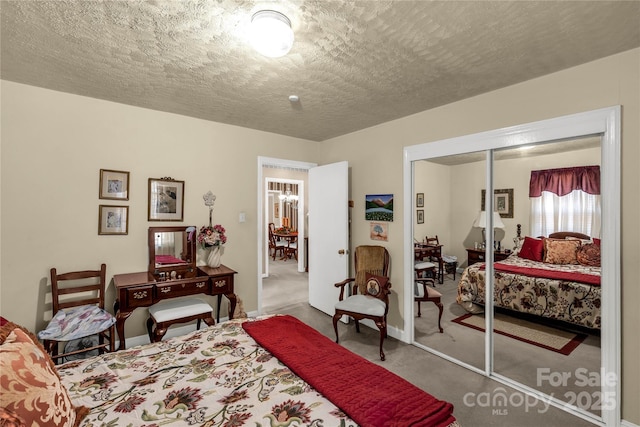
(177,309)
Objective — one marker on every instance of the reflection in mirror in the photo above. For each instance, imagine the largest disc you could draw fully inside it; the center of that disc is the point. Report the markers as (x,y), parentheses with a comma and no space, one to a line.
(553,325)
(452,188)
(172,252)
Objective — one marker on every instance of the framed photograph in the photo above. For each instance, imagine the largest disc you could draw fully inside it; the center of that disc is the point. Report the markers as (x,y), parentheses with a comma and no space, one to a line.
(502,202)
(379,231)
(420,200)
(113,219)
(420,216)
(114,185)
(378,207)
(166,199)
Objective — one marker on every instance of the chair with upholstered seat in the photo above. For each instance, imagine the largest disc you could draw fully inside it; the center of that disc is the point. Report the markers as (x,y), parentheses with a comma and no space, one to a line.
(425,292)
(276,245)
(370,290)
(79,315)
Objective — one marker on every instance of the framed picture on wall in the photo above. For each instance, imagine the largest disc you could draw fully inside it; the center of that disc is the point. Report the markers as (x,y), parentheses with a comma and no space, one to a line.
(379,231)
(420,200)
(114,185)
(166,199)
(378,207)
(420,216)
(113,219)
(502,202)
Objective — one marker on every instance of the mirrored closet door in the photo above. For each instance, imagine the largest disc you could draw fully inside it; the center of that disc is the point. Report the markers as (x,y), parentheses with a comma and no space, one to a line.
(552,338)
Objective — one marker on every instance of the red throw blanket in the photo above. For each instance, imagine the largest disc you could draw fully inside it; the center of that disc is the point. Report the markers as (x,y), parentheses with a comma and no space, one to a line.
(569,276)
(367,393)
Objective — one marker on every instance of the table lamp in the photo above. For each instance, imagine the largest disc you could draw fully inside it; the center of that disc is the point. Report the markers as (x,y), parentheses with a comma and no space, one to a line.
(481,222)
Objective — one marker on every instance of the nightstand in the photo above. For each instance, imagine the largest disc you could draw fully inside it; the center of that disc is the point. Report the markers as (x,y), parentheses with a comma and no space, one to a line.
(477,255)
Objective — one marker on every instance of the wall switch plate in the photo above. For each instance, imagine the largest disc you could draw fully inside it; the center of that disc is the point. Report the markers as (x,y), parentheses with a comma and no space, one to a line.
(242,217)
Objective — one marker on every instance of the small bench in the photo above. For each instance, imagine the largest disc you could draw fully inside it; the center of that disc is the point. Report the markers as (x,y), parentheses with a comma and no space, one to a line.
(167,313)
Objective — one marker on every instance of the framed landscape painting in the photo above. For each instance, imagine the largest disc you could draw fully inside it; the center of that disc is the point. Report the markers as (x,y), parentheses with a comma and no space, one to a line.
(378,207)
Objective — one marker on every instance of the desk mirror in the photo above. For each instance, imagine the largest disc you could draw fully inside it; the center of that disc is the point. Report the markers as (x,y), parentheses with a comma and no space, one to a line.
(172,252)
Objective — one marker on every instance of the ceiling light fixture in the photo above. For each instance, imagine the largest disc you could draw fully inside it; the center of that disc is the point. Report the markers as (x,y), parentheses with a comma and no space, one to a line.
(271,33)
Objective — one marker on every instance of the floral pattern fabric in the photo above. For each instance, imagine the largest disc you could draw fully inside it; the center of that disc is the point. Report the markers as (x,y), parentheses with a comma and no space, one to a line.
(568,301)
(217,376)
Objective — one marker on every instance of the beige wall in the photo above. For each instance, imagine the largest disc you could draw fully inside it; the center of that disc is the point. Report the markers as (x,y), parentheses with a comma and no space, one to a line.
(610,81)
(54,144)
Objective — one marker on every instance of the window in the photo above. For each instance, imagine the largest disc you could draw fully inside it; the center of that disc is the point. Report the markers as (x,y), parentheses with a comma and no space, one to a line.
(566,199)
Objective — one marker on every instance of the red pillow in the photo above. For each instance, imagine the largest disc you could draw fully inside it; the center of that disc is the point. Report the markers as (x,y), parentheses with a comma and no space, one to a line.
(596,241)
(532,249)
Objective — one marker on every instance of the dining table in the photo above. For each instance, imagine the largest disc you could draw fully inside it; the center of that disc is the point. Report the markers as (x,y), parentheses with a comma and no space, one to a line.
(290,237)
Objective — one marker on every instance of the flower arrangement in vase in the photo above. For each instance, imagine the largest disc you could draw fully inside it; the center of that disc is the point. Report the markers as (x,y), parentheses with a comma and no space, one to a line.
(212,238)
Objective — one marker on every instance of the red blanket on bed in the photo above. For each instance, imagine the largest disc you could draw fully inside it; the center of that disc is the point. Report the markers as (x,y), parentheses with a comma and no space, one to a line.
(368,393)
(568,276)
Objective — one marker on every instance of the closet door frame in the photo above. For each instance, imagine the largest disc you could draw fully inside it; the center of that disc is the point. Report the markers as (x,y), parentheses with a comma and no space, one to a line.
(604,123)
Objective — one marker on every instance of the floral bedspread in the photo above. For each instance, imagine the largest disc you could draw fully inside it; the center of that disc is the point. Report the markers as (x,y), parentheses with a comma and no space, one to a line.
(217,376)
(568,301)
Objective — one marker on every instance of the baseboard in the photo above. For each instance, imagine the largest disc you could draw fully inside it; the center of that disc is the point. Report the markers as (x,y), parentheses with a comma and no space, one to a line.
(626,423)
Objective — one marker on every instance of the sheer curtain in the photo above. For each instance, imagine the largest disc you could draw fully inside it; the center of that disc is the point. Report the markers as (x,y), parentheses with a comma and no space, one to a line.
(566,199)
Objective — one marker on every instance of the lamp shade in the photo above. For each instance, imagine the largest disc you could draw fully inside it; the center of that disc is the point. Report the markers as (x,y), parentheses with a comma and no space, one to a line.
(271,33)
(481,220)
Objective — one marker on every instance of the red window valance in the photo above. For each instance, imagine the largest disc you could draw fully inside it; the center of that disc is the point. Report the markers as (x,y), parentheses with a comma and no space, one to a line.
(565,180)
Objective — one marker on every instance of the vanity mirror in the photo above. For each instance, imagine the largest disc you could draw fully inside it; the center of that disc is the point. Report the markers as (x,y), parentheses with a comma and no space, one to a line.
(172,252)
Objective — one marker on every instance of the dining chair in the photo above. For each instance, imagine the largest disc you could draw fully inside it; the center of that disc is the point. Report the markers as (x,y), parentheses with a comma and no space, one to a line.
(370,290)
(78,307)
(424,291)
(276,245)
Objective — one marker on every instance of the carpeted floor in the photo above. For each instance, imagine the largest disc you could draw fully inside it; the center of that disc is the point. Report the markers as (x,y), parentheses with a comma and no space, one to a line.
(286,292)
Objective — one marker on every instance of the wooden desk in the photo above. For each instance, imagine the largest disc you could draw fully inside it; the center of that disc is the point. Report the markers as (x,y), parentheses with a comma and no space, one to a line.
(134,290)
(477,255)
(422,251)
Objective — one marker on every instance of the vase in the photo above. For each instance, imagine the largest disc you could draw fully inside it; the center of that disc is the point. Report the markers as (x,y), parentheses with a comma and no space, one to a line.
(214,257)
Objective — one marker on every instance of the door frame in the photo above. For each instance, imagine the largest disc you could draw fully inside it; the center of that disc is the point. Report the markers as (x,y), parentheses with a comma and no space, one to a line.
(604,122)
(261,243)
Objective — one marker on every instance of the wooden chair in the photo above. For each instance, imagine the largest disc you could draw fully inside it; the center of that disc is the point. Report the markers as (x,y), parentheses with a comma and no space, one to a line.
(369,291)
(432,240)
(425,292)
(276,245)
(291,249)
(78,307)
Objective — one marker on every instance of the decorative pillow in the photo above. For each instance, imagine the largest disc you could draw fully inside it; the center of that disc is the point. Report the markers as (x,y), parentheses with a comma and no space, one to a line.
(30,388)
(375,284)
(558,251)
(589,255)
(532,249)
(596,241)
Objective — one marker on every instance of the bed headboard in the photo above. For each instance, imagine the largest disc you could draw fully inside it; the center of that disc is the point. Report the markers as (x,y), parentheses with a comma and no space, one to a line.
(565,234)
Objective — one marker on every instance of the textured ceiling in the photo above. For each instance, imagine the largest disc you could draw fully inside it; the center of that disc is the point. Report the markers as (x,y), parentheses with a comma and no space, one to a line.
(354,64)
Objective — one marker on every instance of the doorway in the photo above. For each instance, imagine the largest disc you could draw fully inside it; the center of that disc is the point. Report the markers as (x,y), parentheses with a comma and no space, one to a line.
(287,273)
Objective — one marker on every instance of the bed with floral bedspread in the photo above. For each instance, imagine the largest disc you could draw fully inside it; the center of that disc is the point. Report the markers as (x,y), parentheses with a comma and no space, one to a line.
(568,292)
(217,376)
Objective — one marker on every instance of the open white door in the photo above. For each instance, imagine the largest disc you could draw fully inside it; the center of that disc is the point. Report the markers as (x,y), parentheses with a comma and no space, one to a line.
(328,233)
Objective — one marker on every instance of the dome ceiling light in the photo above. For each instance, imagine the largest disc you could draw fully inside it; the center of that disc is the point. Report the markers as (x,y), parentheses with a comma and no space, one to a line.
(271,33)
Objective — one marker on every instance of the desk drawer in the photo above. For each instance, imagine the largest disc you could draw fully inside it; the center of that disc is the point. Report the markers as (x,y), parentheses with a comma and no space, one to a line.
(141,296)
(222,285)
(177,288)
